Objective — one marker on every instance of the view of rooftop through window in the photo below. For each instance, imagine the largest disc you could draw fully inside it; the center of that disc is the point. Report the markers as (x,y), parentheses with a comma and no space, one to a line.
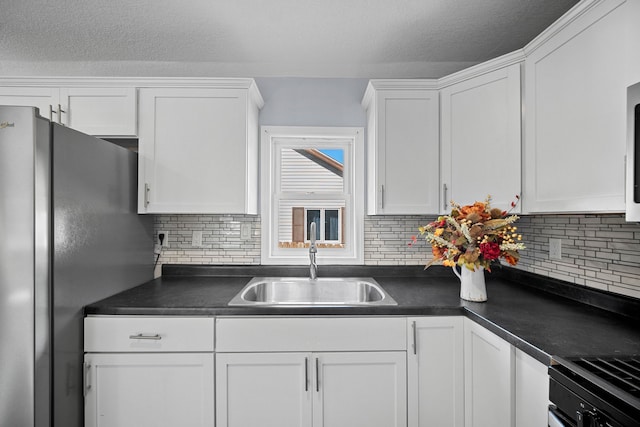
(313,184)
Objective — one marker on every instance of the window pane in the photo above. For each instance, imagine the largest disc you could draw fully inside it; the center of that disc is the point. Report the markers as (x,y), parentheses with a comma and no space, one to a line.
(313,216)
(312,170)
(295,216)
(331,224)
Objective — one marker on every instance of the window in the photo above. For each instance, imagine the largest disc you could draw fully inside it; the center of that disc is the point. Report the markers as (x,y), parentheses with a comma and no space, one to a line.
(312,175)
(329,226)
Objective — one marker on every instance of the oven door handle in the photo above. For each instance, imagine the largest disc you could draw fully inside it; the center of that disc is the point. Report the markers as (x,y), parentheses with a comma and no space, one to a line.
(587,418)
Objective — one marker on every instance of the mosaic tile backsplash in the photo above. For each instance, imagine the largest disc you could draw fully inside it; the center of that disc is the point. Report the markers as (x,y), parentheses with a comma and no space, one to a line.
(599,251)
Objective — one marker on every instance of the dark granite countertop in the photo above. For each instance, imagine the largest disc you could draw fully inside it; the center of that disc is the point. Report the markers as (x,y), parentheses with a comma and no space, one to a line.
(541,316)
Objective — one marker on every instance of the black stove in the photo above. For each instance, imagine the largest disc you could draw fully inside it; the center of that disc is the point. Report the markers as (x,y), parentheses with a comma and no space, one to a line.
(596,391)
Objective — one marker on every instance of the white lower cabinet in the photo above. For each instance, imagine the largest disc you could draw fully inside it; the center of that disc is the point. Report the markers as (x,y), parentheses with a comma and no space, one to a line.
(311,389)
(149,390)
(489,380)
(532,391)
(263,389)
(360,389)
(435,371)
(268,380)
(143,371)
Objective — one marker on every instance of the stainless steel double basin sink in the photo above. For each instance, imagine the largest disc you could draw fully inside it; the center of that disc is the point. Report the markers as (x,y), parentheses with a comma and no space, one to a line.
(306,292)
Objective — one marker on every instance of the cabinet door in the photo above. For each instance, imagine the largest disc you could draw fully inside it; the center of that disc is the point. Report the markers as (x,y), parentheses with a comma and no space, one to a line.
(481,139)
(403,152)
(360,389)
(532,391)
(100,111)
(263,389)
(44,98)
(575,94)
(488,367)
(149,390)
(194,154)
(435,372)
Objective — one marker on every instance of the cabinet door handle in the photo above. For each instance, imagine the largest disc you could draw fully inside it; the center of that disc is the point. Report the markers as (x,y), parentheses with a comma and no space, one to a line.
(444,197)
(382,197)
(87,378)
(415,341)
(155,337)
(317,374)
(146,194)
(306,374)
(60,111)
(51,112)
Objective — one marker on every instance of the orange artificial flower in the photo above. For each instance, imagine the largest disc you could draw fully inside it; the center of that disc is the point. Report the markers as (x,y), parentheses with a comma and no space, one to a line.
(510,259)
(477,211)
(437,252)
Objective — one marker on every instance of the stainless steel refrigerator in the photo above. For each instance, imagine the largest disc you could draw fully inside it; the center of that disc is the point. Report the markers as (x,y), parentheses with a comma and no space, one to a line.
(69,236)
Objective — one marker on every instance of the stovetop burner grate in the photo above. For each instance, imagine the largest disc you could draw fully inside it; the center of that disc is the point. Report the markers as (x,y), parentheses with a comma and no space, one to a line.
(623,373)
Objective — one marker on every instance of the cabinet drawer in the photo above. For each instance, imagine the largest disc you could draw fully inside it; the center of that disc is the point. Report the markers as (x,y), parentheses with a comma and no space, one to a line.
(310,334)
(148,334)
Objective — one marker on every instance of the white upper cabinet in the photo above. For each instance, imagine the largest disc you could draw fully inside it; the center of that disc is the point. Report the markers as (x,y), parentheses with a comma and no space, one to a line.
(199,148)
(402,147)
(575,94)
(100,111)
(481,137)
(43,98)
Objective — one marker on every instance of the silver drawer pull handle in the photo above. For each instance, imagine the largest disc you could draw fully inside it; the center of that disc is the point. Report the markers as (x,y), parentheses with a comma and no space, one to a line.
(145,337)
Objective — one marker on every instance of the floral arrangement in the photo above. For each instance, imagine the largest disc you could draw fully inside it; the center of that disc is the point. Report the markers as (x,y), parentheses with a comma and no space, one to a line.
(473,236)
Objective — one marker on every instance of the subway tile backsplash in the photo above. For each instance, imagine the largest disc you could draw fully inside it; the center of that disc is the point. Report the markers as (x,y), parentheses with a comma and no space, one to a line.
(599,251)
(221,239)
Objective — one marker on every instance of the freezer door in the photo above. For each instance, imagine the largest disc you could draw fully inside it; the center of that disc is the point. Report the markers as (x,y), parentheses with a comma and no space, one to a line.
(24,268)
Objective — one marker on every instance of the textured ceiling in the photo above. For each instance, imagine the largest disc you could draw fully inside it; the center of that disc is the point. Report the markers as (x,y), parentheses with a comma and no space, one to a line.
(252,38)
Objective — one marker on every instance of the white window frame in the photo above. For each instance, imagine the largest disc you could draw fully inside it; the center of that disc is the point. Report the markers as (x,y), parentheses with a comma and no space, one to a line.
(271,140)
(323,230)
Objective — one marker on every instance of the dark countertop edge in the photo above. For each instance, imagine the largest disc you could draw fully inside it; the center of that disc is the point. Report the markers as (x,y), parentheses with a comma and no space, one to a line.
(347,311)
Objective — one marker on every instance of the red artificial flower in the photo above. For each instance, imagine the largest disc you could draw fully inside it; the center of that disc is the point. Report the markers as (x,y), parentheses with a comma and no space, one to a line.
(490,250)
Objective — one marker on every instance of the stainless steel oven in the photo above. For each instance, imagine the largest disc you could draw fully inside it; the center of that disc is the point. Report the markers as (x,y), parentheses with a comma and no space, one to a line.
(595,392)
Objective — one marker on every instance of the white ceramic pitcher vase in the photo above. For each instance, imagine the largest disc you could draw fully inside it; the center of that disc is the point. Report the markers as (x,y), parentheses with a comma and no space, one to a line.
(472,286)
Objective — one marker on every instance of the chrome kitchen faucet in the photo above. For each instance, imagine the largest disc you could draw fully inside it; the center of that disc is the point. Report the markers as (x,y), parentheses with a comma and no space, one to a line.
(313,250)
